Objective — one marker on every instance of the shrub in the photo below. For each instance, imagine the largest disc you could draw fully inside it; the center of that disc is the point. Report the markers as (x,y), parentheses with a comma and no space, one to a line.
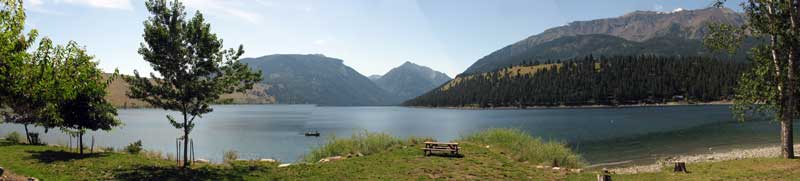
(364,142)
(134,148)
(523,147)
(14,137)
(230,156)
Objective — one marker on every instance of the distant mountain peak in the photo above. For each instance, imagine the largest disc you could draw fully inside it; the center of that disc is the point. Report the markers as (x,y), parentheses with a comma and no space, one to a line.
(374,77)
(410,80)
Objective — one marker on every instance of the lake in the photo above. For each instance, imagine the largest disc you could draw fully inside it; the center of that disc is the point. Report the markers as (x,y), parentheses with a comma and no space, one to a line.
(601,135)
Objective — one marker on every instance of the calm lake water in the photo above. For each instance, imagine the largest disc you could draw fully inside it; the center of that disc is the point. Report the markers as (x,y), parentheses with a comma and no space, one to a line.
(601,135)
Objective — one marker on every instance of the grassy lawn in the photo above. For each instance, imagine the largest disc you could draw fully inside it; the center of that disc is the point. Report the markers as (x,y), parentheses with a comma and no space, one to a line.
(407,162)
(402,161)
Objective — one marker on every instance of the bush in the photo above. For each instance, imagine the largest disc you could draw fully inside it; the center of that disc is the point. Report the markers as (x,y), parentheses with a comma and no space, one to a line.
(365,143)
(230,156)
(14,137)
(134,148)
(523,147)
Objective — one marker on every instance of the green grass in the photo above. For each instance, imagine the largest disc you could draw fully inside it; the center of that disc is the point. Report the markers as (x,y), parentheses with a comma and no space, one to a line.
(402,160)
(525,148)
(363,142)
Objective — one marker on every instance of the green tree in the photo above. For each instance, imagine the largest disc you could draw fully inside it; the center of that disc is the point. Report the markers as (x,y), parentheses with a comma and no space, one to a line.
(88,109)
(13,43)
(194,69)
(36,88)
(770,86)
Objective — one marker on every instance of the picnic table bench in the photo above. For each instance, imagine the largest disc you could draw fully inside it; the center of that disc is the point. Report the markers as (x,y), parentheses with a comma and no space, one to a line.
(431,147)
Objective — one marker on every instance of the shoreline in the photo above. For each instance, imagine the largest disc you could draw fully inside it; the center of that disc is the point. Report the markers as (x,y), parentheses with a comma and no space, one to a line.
(668,104)
(733,154)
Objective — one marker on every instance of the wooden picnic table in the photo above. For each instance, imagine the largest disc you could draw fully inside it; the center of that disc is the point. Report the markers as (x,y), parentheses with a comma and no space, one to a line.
(431,147)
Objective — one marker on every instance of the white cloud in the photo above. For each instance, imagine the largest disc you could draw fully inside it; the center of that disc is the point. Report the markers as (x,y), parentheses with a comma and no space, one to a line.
(265,3)
(37,6)
(235,9)
(108,4)
(320,42)
(49,6)
(308,9)
(35,3)
(658,7)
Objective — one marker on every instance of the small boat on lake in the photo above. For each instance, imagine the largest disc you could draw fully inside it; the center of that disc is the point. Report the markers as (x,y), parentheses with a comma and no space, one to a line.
(315,133)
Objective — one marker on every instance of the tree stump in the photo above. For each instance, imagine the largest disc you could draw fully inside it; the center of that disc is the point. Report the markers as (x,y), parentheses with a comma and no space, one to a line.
(555,163)
(680,167)
(1,171)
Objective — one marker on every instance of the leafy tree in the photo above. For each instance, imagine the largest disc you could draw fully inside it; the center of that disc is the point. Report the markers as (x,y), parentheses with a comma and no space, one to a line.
(13,43)
(194,69)
(771,85)
(36,89)
(55,86)
(88,109)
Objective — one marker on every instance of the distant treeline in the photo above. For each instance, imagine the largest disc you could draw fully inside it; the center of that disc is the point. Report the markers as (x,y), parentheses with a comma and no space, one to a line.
(589,80)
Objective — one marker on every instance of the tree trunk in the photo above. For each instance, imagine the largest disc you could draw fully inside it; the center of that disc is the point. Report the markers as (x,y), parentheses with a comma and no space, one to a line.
(790,109)
(787,141)
(80,142)
(27,135)
(185,142)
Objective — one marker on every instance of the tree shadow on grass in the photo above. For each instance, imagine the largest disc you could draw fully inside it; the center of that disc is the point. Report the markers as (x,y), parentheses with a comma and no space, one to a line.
(6,143)
(147,172)
(446,155)
(173,173)
(50,156)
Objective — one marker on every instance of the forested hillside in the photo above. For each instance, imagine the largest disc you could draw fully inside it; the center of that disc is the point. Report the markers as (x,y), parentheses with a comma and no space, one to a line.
(636,33)
(591,80)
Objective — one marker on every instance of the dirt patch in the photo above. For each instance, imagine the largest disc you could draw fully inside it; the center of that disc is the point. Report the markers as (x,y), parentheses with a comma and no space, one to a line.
(10,176)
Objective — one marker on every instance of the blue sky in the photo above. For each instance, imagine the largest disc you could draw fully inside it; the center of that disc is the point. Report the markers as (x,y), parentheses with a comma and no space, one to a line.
(372,36)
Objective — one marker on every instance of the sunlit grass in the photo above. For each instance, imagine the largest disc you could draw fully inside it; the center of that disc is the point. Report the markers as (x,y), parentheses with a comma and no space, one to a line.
(364,142)
(525,148)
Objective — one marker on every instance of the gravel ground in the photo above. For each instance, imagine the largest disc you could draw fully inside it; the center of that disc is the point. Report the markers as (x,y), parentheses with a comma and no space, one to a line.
(735,154)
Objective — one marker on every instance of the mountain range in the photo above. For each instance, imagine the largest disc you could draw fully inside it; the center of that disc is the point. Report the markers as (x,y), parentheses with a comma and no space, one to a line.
(318,79)
(534,71)
(677,33)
